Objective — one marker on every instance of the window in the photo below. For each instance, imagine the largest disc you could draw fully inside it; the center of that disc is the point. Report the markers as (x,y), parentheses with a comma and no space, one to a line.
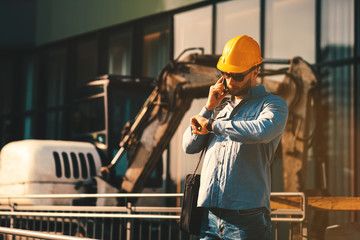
(6,81)
(193,29)
(290,28)
(89,116)
(338,131)
(155,46)
(6,69)
(337,32)
(30,99)
(87,61)
(357,131)
(236,18)
(120,53)
(55,92)
(337,81)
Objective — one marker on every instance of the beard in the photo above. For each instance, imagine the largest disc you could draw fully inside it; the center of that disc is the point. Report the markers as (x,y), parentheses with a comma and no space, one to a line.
(242,91)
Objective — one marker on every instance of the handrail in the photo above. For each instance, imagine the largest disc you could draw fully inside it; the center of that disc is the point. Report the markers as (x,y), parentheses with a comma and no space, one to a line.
(300,212)
(89,215)
(32,234)
(104,195)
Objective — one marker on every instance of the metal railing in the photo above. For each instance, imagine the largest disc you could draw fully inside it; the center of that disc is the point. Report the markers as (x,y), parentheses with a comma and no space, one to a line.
(295,217)
(38,235)
(120,222)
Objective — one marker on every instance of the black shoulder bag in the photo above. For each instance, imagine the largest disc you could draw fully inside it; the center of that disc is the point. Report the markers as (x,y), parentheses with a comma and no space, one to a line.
(190,218)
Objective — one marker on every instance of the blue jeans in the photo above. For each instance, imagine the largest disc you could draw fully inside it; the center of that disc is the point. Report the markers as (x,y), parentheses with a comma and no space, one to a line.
(251,224)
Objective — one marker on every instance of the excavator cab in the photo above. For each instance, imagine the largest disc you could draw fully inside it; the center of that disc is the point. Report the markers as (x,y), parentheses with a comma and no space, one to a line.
(102,110)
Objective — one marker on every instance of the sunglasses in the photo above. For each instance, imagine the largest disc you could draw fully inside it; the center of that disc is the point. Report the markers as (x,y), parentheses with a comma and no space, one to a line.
(238,77)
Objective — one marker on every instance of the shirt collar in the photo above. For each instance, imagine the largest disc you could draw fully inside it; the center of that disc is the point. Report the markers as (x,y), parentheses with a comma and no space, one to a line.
(256,91)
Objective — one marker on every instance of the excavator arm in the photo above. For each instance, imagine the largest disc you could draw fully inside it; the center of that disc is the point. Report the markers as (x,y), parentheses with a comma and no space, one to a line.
(182,81)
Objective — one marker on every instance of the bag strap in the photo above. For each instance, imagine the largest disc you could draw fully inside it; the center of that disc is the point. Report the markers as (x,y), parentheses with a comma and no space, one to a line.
(198,163)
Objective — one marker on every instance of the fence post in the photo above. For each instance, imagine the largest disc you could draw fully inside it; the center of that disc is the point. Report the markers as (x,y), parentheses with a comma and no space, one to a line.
(305,224)
(128,223)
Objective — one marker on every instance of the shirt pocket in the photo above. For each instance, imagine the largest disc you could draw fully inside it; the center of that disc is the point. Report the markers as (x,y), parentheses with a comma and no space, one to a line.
(246,116)
(249,116)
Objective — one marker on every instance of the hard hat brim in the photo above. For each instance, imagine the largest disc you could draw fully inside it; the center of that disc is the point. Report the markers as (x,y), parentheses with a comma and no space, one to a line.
(226,67)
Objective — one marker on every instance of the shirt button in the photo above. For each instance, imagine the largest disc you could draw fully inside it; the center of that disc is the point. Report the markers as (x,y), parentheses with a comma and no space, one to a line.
(219,162)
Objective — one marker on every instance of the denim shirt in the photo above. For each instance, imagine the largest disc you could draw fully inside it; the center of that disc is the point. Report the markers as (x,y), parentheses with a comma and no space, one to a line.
(236,169)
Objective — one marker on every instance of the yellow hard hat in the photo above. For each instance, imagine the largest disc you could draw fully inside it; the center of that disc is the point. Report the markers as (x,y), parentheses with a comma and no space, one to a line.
(240,54)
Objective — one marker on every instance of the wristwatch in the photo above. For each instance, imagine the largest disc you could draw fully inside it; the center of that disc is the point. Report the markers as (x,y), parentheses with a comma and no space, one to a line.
(209,125)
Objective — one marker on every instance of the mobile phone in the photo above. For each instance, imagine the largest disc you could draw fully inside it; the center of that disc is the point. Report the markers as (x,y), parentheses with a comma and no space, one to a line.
(224,84)
(198,126)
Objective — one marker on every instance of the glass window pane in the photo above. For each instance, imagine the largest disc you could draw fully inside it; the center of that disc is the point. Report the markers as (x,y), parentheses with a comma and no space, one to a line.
(30,95)
(29,71)
(337,25)
(155,49)
(290,29)
(89,116)
(6,81)
(236,18)
(358,28)
(54,128)
(338,134)
(56,77)
(55,84)
(87,63)
(357,133)
(120,53)
(337,85)
(193,29)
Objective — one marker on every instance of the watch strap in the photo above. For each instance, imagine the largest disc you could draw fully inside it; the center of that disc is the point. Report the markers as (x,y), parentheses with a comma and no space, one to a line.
(209,125)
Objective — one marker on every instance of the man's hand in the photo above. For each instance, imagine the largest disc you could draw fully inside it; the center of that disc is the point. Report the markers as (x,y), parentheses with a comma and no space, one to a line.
(216,94)
(198,125)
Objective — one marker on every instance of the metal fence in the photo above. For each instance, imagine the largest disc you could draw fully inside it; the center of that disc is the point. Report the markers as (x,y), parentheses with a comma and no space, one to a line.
(129,221)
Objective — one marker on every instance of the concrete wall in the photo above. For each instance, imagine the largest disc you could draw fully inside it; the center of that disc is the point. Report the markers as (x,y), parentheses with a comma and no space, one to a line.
(56,20)
(17,23)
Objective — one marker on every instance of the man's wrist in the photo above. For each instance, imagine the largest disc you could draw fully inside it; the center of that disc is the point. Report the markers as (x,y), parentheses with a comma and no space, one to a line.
(209,108)
(209,126)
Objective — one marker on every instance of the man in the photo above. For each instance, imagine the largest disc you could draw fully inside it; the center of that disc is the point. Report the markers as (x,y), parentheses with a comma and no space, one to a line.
(241,141)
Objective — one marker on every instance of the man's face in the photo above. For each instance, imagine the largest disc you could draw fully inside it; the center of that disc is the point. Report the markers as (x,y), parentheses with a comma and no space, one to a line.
(240,83)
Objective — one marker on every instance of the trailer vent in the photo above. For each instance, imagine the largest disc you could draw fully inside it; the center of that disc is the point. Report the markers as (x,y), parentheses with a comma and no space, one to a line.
(66,164)
(91,164)
(75,164)
(57,164)
(87,165)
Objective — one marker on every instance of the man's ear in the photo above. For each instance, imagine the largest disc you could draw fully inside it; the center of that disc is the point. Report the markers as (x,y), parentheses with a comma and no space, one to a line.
(256,72)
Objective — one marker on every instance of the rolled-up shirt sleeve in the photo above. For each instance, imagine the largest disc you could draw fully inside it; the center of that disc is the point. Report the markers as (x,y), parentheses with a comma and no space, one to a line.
(269,124)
